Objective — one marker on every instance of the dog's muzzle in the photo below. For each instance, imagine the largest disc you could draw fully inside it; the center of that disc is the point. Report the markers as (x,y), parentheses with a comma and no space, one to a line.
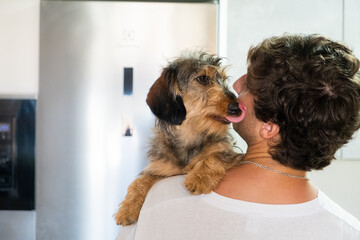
(234,109)
(236,112)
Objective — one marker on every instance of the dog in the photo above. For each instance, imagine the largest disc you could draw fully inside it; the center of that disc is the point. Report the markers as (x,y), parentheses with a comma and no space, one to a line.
(193,108)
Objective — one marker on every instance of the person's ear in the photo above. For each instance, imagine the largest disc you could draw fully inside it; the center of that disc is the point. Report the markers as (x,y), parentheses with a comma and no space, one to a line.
(269,130)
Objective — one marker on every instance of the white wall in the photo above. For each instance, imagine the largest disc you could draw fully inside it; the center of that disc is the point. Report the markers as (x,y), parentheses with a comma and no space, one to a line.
(250,21)
(19,47)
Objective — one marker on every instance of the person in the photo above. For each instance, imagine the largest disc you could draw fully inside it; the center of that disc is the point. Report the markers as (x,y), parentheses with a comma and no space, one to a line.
(302,98)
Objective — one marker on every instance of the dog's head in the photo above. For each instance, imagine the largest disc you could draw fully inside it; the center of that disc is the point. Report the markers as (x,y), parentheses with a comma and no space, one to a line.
(193,87)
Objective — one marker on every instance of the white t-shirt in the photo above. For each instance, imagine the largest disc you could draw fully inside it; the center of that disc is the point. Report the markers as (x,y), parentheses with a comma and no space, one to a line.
(171,213)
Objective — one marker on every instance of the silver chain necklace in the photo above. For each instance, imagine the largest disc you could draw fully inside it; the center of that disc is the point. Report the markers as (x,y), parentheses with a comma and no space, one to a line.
(274,170)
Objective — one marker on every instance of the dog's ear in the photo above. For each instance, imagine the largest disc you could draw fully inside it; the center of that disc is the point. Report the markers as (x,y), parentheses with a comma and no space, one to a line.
(164,102)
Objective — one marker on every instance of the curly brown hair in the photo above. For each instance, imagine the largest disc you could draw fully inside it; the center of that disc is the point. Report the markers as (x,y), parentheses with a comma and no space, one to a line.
(310,87)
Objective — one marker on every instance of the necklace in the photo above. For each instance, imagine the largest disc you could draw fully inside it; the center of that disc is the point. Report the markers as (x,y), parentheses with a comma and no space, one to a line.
(274,170)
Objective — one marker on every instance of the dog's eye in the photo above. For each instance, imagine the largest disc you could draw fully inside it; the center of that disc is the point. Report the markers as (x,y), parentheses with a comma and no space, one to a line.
(203,79)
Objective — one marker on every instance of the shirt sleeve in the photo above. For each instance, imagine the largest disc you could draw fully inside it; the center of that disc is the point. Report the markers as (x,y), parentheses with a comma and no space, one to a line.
(127,233)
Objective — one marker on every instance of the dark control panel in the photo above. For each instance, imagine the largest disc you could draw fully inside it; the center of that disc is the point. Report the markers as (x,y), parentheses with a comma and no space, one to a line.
(6,153)
(17,154)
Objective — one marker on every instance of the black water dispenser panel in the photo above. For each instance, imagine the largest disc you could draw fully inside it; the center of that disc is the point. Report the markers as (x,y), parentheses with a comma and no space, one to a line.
(6,153)
(17,154)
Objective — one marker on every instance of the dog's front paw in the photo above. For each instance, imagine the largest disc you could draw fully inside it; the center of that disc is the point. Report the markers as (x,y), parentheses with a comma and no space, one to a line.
(128,214)
(205,176)
(197,184)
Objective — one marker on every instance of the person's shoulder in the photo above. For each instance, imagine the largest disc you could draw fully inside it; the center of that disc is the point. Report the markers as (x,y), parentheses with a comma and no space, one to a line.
(167,189)
(338,213)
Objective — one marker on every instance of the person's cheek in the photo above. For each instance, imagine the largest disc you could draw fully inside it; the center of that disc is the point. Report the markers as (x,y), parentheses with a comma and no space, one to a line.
(237,86)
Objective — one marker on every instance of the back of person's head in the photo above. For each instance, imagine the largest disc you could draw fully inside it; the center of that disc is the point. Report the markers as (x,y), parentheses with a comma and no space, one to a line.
(310,87)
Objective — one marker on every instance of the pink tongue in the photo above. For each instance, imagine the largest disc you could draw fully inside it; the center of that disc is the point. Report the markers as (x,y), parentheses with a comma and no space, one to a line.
(237,119)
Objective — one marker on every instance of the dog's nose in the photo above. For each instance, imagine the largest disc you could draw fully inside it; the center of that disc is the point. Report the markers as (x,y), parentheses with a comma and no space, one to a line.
(233,108)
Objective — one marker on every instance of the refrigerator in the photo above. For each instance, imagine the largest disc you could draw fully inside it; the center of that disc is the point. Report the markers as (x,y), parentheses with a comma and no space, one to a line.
(98,60)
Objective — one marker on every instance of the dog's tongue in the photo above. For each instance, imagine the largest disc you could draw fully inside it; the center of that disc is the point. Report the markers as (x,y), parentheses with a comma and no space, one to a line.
(238,119)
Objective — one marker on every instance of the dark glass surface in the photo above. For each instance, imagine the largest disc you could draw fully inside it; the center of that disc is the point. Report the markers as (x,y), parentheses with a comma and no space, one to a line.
(17,154)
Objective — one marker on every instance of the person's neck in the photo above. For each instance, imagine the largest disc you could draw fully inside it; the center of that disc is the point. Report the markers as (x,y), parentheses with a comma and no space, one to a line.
(254,183)
(259,153)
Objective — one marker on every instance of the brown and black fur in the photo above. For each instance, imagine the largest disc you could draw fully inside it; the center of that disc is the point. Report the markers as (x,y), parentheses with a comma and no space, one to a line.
(190,100)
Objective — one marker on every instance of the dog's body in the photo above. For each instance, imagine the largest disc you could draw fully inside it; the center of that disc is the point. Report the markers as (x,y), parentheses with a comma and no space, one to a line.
(194,108)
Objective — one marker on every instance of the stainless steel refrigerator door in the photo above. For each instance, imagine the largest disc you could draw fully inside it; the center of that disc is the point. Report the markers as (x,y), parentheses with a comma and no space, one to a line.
(84,163)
